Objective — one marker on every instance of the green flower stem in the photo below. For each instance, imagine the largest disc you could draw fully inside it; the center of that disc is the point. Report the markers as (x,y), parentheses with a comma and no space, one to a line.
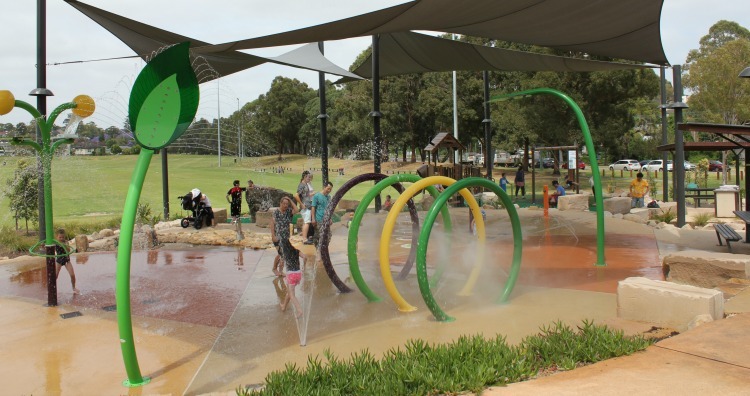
(122,288)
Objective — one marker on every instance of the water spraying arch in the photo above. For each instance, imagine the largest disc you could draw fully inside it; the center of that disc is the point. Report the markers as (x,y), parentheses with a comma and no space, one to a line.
(394,181)
(390,221)
(424,238)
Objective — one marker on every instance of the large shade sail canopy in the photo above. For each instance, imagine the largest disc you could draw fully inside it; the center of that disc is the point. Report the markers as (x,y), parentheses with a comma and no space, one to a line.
(409,52)
(145,40)
(612,28)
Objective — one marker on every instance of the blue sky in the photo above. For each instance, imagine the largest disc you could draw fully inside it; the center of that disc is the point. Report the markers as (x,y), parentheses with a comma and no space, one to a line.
(72,36)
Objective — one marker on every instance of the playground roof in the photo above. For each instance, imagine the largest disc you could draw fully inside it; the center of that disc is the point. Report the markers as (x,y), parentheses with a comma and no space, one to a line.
(612,28)
(724,131)
(410,52)
(444,139)
(145,40)
(626,30)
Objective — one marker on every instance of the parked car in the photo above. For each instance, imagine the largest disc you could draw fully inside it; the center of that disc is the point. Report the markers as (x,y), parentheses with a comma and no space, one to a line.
(689,166)
(548,163)
(641,163)
(581,165)
(657,165)
(716,166)
(626,165)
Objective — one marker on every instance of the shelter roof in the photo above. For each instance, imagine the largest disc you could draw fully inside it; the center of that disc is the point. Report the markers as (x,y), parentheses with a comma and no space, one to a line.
(724,131)
(613,28)
(145,40)
(410,52)
(444,139)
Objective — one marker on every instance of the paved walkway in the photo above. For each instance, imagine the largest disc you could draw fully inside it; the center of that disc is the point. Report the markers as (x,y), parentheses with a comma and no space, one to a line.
(190,347)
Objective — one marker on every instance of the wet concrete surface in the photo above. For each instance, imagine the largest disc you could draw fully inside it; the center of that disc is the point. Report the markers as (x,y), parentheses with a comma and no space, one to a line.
(209,319)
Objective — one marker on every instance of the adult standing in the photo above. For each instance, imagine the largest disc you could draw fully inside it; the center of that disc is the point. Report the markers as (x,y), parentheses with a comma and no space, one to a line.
(520,182)
(638,190)
(252,203)
(280,222)
(304,199)
(319,205)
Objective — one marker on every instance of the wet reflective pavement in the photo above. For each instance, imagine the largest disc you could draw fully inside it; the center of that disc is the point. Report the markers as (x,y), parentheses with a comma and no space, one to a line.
(208,319)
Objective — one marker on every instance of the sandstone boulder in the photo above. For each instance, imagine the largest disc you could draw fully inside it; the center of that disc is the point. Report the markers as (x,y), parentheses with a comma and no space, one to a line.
(617,205)
(349,205)
(573,202)
(266,197)
(705,269)
(82,243)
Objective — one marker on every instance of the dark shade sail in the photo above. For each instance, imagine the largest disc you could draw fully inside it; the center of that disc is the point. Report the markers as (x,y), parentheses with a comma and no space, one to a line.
(409,52)
(145,40)
(612,28)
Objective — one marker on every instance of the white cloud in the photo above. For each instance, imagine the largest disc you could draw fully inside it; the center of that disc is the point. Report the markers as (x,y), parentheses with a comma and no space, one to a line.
(71,36)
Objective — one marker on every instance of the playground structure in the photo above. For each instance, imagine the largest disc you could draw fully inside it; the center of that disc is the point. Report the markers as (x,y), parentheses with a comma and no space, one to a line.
(82,106)
(454,169)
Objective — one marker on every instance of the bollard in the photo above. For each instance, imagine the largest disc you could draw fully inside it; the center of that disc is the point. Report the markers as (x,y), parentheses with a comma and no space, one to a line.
(545,196)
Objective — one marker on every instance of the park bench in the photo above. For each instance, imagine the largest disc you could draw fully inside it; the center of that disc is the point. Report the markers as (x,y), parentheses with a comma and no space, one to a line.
(728,233)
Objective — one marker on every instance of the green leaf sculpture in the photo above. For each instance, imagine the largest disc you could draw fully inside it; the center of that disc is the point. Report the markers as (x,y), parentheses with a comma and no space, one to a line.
(164,98)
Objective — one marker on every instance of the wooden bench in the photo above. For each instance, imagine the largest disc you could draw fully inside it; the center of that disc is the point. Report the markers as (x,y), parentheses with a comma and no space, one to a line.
(728,233)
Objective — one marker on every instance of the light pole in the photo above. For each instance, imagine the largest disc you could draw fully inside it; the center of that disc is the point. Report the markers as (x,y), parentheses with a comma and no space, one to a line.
(239,132)
(82,106)
(745,74)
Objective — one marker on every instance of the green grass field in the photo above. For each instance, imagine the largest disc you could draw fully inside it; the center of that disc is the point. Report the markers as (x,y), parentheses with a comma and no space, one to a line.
(94,188)
(88,188)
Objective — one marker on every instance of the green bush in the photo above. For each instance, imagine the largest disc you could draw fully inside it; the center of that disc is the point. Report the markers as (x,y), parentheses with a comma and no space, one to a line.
(13,241)
(666,217)
(702,219)
(471,363)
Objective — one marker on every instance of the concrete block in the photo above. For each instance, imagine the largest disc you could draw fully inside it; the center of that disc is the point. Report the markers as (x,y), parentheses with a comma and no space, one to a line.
(220,215)
(573,202)
(349,205)
(644,213)
(263,219)
(705,269)
(665,303)
(82,243)
(617,205)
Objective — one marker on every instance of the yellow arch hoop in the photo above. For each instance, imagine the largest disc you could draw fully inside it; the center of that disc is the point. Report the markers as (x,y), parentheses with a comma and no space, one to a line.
(390,222)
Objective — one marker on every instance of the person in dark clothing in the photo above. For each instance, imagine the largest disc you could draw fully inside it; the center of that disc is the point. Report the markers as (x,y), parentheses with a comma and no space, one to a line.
(62,259)
(235,204)
(519,182)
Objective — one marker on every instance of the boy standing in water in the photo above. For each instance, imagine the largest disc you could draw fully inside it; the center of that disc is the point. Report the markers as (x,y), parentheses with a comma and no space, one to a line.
(63,259)
(235,205)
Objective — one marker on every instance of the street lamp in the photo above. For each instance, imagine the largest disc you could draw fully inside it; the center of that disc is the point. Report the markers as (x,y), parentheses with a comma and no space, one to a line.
(82,106)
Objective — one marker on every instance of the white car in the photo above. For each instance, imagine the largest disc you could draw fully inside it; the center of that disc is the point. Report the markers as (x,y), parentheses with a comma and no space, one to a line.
(656,165)
(689,166)
(626,165)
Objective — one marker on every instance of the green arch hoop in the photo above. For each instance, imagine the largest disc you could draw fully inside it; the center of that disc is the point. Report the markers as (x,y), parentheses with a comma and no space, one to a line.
(424,238)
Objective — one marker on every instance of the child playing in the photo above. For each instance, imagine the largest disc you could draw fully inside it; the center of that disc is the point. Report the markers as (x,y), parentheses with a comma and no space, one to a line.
(280,234)
(63,259)
(387,204)
(503,182)
(235,205)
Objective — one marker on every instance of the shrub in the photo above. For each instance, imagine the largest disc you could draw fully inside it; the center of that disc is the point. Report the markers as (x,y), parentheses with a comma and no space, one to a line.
(470,363)
(702,219)
(666,217)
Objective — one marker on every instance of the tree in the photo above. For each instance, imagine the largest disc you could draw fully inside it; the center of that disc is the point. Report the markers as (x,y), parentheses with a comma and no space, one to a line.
(718,95)
(22,193)
(719,34)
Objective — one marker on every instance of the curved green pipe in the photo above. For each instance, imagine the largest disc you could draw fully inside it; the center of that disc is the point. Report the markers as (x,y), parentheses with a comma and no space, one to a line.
(122,281)
(592,158)
(357,220)
(424,238)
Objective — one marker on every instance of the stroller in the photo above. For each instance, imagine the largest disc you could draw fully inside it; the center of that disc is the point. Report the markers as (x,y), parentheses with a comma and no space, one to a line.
(192,202)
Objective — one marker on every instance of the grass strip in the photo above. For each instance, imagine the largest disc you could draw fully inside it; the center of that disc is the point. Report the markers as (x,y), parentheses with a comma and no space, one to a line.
(471,363)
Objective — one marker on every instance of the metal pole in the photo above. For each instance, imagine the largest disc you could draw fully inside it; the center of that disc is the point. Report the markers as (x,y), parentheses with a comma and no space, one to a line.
(376,109)
(41,104)
(165,183)
(239,132)
(456,160)
(664,127)
(679,153)
(489,157)
(218,111)
(323,121)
